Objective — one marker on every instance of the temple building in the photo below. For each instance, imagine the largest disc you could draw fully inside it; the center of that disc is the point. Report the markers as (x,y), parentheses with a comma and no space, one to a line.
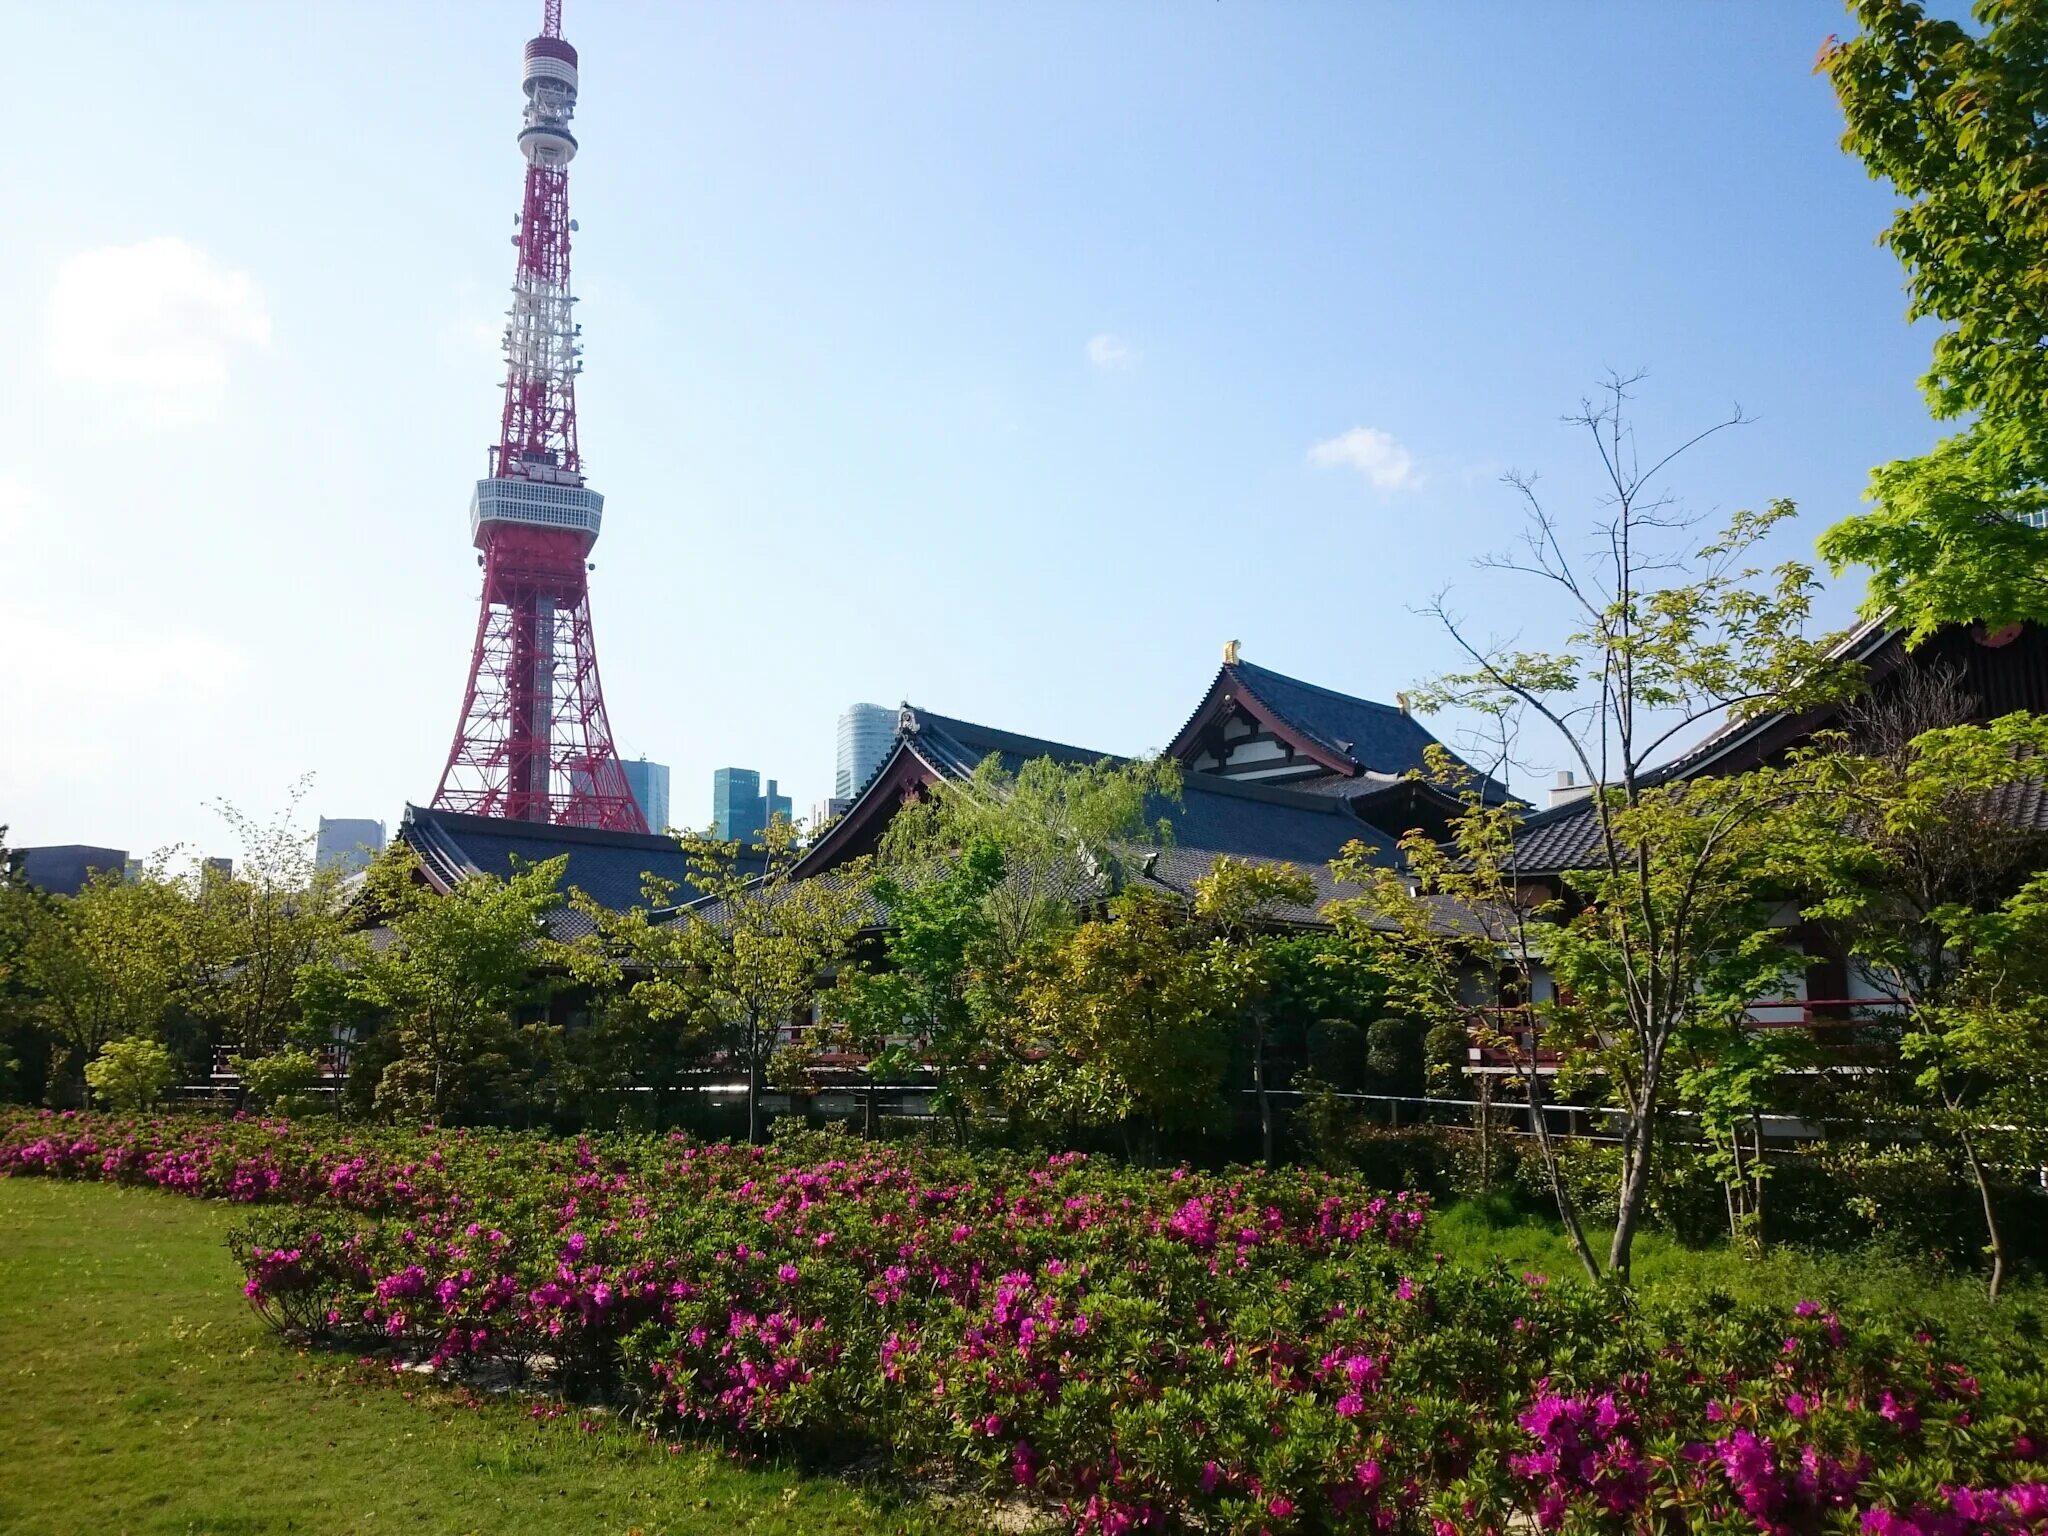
(1274,768)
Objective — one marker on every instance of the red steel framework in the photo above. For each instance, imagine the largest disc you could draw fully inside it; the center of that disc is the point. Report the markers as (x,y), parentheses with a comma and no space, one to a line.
(533,742)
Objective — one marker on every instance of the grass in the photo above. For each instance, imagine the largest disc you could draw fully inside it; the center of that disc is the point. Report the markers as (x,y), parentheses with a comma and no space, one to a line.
(1876,1280)
(138,1393)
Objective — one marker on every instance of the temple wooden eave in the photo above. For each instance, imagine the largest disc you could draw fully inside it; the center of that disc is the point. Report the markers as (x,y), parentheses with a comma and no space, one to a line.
(1229,694)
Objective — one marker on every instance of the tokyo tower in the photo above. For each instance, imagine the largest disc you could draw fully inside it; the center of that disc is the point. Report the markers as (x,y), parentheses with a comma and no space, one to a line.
(533,742)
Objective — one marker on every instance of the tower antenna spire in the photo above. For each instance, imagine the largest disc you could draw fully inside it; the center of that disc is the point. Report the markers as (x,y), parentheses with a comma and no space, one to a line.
(534,742)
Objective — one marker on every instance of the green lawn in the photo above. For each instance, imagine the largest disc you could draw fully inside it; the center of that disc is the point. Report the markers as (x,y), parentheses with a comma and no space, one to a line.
(1898,1284)
(138,1393)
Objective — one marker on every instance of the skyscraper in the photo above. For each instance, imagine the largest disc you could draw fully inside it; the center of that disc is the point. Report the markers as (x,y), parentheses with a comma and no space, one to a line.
(649,783)
(736,804)
(347,842)
(866,732)
(740,810)
(64,868)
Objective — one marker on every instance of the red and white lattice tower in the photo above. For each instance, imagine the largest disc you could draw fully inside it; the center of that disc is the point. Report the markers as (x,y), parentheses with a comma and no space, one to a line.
(533,743)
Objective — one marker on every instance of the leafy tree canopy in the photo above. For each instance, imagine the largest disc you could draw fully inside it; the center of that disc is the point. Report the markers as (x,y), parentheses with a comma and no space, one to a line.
(1953,118)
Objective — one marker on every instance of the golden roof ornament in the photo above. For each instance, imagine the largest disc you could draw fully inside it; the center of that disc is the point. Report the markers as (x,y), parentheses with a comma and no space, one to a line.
(1230,653)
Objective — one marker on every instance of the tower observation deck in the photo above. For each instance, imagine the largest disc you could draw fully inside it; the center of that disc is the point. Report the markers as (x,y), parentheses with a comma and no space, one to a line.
(533,742)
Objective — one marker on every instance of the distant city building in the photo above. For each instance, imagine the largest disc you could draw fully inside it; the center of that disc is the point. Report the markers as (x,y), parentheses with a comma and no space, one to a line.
(735,803)
(740,808)
(829,810)
(649,783)
(64,868)
(347,842)
(866,732)
(218,865)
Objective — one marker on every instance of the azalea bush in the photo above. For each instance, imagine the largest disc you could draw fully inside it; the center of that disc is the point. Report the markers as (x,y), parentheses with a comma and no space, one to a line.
(1252,1351)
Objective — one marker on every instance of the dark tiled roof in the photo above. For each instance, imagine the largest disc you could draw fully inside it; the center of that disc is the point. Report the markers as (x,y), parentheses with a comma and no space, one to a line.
(957,747)
(1568,836)
(1877,644)
(1564,837)
(2022,805)
(1380,738)
(609,867)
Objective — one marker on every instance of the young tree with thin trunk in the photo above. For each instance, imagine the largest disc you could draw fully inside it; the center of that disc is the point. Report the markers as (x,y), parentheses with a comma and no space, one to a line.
(1663,635)
(1458,942)
(257,926)
(759,943)
(922,1008)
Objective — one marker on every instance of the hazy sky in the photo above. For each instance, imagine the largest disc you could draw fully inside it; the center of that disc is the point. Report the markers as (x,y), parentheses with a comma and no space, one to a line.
(1007,358)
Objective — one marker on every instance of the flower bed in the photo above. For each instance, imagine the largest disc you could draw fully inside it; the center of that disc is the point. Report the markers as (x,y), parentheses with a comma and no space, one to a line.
(1257,1351)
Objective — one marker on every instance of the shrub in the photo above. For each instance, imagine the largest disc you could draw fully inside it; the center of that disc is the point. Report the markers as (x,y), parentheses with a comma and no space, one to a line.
(130,1074)
(1251,1351)
(282,1081)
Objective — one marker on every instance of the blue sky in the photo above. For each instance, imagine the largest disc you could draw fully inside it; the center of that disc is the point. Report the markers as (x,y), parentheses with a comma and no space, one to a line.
(973,354)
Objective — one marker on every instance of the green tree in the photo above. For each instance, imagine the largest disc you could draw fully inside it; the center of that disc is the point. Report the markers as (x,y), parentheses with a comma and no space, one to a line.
(1669,921)
(1070,836)
(1242,902)
(1929,882)
(447,977)
(19,911)
(758,944)
(282,1082)
(256,928)
(655,1019)
(112,961)
(925,1008)
(1979,1047)
(1132,1021)
(1951,118)
(130,1074)
(1458,941)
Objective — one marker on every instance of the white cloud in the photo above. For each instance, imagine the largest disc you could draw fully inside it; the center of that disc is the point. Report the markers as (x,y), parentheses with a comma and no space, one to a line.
(1376,455)
(153,325)
(1110,353)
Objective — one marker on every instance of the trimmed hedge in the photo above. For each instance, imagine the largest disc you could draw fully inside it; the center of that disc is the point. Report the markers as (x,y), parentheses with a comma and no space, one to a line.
(1242,1352)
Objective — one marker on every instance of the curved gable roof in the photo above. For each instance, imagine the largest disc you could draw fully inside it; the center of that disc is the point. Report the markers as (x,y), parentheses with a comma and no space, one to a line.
(1348,735)
(1379,738)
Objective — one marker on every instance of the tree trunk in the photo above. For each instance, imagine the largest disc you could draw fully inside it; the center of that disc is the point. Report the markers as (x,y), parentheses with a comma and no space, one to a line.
(1265,1104)
(1991,1228)
(754,1091)
(1635,1189)
(1486,1135)
(1758,1171)
(1539,1126)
